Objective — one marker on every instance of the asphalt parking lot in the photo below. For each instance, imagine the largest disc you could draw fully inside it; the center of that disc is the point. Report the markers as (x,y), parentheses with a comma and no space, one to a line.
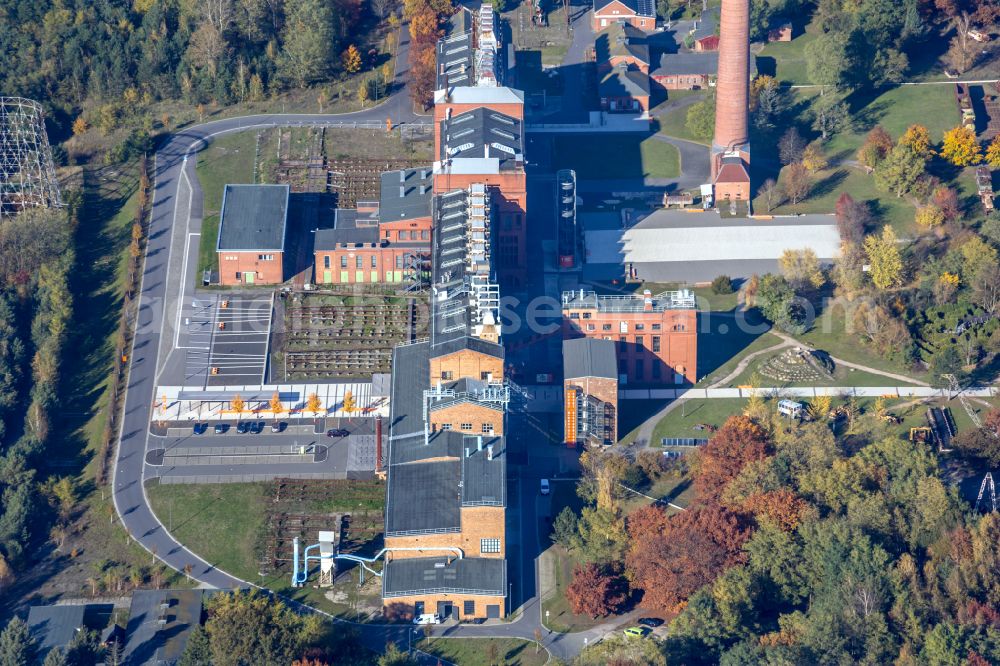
(239,338)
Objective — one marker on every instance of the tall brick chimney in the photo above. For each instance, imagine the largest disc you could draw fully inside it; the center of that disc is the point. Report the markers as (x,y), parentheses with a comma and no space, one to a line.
(732,89)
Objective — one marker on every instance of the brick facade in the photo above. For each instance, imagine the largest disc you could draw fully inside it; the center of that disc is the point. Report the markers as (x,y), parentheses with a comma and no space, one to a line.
(478,523)
(237,268)
(481,419)
(467,364)
(617,11)
(403,607)
(602,389)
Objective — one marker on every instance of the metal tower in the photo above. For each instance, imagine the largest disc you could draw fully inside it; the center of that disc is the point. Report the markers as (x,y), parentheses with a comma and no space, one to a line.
(27,174)
(987,483)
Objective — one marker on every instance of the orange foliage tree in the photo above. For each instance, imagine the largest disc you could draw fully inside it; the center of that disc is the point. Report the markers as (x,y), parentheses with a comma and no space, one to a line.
(781,507)
(671,558)
(739,441)
(596,591)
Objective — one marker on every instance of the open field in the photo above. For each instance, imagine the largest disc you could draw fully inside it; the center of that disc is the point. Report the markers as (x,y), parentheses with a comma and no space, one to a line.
(477,651)
(786,61)
(635,156)
(761,342)
(227,160)
(674,123)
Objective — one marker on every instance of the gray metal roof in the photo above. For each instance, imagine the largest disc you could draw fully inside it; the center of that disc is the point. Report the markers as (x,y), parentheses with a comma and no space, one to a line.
(347,230)
(155,634)
(423,575)
(226,396)
(481,133)
(405,194)
(423,497)
(620,82)
(688,64)
(589,357)
(254,217)
(410,376)
(484,481)
(456,60)
(55,626)
(621,39)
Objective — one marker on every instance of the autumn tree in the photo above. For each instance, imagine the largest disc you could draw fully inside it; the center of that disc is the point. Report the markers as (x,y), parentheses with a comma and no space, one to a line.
(739,441)
(80,126)
(238,405)
(363,95)
(350,405)
(929,217)
(946,201)
(782,508)
(801,268)
(275,405)
(993,153)
(313,404)
(918,139)
(876,147)
(669,559)
(423,74)
(813,158)
(249,627)
(797,182)
(771,193)
(596,591)
(309,41)
(960,147)
(853,218)
(351,59)
(885,259)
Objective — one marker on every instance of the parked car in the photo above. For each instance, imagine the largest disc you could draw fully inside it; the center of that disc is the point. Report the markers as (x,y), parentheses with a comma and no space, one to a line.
(256,427)
(278,427)
(651,622)
(544,488)
(199,428)
(220,428)
(242,427)
(337,432)
(427,618)
(637,631)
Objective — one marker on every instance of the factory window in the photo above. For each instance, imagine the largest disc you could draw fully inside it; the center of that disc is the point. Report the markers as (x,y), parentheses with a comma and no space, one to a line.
(591,327)
(656,369)
(622,341)
(238,275)
(399,261)
(487,428)
(638,343)
(469,607)
(446,375)
(587,315)
(326,261)
(640,327)
(404,235)
(679,327)
(605,327)
(445,426)
(485,376)
(343,261)
(623,327)
(425,235)
(656,343)
(656,327)
(265,257)
(374,261)
(574,315)
(466,426)
(489,545)
(640,366)
(359,261)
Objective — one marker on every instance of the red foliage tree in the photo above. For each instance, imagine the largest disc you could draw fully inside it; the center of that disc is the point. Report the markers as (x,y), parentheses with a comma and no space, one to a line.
(979,614)
(992,422)
(423,74)
(853,218)
(738,442)
(947,202)
(596,591)
(782,507)
(670,559)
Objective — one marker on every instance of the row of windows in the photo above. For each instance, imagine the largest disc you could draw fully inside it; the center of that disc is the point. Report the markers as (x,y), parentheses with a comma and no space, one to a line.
(423,234)
(624,326)
(359,261)
(489,545)
(486,428)
(260,257)
(640,369)
(448,375)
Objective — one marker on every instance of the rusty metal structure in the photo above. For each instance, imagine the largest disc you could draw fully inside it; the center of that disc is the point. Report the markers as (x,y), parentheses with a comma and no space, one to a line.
(27,174)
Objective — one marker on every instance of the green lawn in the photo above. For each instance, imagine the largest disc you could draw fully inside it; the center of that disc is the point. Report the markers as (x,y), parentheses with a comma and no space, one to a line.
(674,123)
(220,522)
(842,376)
(673,488)
(721,339)
(681,420)
(635,156)
(477,651)
(786,61)
(227,159)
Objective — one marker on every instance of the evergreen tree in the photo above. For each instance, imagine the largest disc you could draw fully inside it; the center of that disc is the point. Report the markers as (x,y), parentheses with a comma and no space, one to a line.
(310,41)
(17,647)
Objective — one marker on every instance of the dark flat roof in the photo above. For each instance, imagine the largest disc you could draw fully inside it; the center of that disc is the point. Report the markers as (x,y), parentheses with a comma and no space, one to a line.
(149,640)
(55,626)
(405,194)
(484,481)
(468,575)
(347,230)
(455,59)
(410,376)
(254,218)
(589,357)
(423,497)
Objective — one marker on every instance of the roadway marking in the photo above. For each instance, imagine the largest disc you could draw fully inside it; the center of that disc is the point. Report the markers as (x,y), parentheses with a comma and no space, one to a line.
(187,253)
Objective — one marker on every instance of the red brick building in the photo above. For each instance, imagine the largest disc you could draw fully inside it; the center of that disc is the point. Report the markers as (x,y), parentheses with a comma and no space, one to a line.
(479,139)
(637,13)
(656,337)
(252,229)
(686,71)
(386,241)
(590,390)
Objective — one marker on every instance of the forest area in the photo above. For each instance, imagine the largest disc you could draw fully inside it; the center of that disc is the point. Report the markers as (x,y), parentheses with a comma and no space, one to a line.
(107,63)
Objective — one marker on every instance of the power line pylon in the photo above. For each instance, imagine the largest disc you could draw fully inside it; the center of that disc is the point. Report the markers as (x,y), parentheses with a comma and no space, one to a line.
(987,482)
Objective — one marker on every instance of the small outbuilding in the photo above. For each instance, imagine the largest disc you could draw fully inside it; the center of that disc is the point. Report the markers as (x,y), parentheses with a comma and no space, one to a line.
(252,233)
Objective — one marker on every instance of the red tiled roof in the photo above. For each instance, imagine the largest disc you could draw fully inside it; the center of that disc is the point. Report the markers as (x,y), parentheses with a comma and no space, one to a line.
(709,43)
(733,173)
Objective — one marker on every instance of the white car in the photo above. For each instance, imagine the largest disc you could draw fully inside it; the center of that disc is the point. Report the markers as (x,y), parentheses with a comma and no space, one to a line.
(544,488)
(427,618)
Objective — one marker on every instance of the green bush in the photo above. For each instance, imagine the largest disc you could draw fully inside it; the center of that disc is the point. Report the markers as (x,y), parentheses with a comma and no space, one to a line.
(722,285)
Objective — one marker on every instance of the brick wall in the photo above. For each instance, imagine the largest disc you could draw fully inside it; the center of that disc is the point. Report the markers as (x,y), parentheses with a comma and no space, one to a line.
(467,413)
(465,363)
(477,523)
(402,607)
(266,266)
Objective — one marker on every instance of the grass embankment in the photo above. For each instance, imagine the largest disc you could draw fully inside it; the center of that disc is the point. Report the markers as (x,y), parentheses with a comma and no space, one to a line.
(478,651)
(227,160)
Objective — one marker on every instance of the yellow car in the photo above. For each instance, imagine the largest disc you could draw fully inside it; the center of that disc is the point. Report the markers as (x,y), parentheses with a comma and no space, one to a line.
(637,631)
